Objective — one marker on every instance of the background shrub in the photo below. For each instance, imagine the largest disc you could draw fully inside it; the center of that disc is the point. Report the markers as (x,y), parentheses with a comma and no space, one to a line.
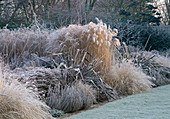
(148,37)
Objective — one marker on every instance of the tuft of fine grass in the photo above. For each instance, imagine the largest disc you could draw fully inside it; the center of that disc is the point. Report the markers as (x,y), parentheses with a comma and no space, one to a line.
(127,79)
(156,66)
(72,97)
(17,102)
(17,46)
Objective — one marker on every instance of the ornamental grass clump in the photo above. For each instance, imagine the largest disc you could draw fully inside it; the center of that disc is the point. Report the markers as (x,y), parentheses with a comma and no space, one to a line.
(156,66)
(17,46)
(17,102)
(71,97)
(164,61)
(37,79)
(127,79)
(96,39)
(153,63)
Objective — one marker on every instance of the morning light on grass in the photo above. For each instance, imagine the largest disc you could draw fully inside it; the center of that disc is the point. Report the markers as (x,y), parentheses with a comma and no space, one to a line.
(66,58)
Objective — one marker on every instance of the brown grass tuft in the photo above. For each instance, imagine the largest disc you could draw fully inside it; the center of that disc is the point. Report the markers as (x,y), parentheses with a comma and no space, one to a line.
(162,60)
(72,97)
(37,79)
(126,79)
(17,46)
(17,102)
(156,66)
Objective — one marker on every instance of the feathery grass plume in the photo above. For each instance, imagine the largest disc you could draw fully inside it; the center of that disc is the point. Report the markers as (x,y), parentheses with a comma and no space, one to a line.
(17,46)
(72,97)
(127,79)
(96,39)
(17,102)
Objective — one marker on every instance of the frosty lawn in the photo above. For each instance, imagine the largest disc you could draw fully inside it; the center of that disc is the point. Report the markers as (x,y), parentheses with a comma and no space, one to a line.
(151,105)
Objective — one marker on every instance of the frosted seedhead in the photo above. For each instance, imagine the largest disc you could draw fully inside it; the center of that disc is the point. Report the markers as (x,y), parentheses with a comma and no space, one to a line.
(97,19)
(109,28)
(101,40)
(97,42)
(94,35)
(115,31)
(91,24)
(108,43)
(88,37)
(116,42)
(99,22)
(105,35)
(94,39)
(105,26)
(99,30)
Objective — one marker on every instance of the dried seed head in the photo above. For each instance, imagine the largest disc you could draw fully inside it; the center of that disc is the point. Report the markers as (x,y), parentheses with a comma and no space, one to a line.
(94,35)
(91,24)
(116,42)
(99,30)
(109,28)
(101,40)
(87,31)
(94,39)
(110,37)
(105,26)
(105,35)
(88,37)
(115,31)
(108,43)
(97,42)
(95,29)
(98,21)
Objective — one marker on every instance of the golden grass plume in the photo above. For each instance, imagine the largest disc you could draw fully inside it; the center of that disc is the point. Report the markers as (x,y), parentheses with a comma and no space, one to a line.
(96,39)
